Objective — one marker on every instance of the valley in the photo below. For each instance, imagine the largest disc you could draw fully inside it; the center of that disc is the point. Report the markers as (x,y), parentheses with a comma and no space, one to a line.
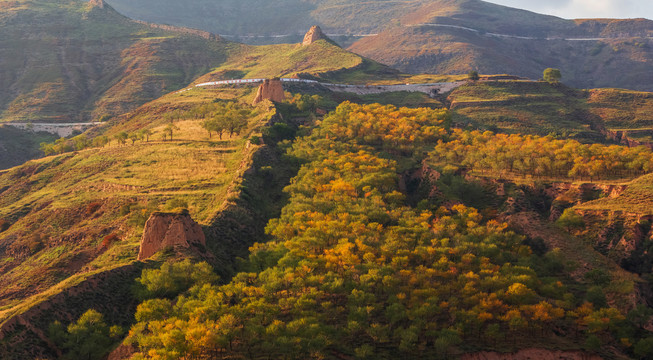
(215,199)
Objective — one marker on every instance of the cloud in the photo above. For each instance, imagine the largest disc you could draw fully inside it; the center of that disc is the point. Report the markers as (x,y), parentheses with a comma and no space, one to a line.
(573,9)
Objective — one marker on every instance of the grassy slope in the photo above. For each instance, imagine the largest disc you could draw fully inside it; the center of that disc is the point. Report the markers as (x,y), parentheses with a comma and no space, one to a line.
(636,199)
(623,110)
(54,235)
(320,60)
(71,61)
(540,108)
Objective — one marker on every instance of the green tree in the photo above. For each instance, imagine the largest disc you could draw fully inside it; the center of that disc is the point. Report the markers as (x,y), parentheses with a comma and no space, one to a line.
(80,142)
(173,278)
(169,130)
(145,134)
(121,137)
(133,137)
(100,141)
(47,148)
(473,75)
(644,348)
(87,338)
(570,220)
(552,76)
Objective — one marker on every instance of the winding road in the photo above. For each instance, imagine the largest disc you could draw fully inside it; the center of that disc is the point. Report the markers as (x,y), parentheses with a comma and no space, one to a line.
(514,36)
(428,88)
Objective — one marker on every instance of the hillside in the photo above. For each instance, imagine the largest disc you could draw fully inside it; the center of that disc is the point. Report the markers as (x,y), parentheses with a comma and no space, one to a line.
(320,60)
(76,219)
(264,22)
(454,37)
(442,36)
(77,61)
(540,108)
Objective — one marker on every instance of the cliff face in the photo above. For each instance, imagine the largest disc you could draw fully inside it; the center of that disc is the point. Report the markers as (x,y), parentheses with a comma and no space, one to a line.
(271,90)
(164,230)
(313,35)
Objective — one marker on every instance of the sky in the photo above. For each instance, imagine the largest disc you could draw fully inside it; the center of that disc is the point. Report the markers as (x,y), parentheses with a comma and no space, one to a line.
(576,9)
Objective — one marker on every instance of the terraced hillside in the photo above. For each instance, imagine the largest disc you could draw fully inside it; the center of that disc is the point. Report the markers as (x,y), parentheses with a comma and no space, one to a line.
(72,220)
(76,61)
(541,108)
(440,36)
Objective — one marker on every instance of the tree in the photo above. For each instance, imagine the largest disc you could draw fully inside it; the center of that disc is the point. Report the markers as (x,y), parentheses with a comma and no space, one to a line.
(47,148)
(570,219)
(473,75)
(61,145)
(170,129)
(133,137)
(171,279)
(87,338)
(121,137)
(145,134)
(552,76)
(100,141)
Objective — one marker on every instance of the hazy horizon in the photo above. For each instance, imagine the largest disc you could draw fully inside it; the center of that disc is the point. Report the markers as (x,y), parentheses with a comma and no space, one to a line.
(579,9)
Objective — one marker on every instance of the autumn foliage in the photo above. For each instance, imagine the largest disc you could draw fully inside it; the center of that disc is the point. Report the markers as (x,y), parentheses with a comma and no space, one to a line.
(503,155)
(353,271)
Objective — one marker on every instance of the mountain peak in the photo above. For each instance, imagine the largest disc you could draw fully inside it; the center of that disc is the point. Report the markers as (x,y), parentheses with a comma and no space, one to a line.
(313,35)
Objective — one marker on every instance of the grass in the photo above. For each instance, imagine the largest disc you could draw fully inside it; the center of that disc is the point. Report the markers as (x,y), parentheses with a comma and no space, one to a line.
(637,199)
(53,236)
(543,109)
(285,60)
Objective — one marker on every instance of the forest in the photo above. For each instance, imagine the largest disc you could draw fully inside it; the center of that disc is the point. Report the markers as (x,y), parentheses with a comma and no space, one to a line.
(503,155)
(352,270)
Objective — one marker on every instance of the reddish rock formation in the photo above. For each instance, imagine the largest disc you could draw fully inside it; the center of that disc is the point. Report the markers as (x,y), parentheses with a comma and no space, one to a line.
(271,90)
(97,3)
(177,230)
(313,35)
(532,354)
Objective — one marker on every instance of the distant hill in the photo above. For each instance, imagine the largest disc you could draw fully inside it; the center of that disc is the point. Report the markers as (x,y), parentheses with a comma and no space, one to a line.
(262,21)
(76,60)
(457,36)
(441,36)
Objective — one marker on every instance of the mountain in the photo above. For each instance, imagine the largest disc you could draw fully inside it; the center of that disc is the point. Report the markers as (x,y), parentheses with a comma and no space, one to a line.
(457,36)
(78,61)
(441,36)
(261,22)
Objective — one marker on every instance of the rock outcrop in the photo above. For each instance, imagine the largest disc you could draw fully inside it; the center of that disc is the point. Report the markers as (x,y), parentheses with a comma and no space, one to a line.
(272,90)
(97,3)
(176,230)
(313,35)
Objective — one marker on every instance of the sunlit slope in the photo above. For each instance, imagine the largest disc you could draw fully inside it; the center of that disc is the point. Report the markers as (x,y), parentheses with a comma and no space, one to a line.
(85,210)
(321,59)
(541,108)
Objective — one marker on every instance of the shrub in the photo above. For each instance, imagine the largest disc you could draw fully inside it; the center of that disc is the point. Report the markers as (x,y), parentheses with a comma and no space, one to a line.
(4,225)
(109,239)
(93,207)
